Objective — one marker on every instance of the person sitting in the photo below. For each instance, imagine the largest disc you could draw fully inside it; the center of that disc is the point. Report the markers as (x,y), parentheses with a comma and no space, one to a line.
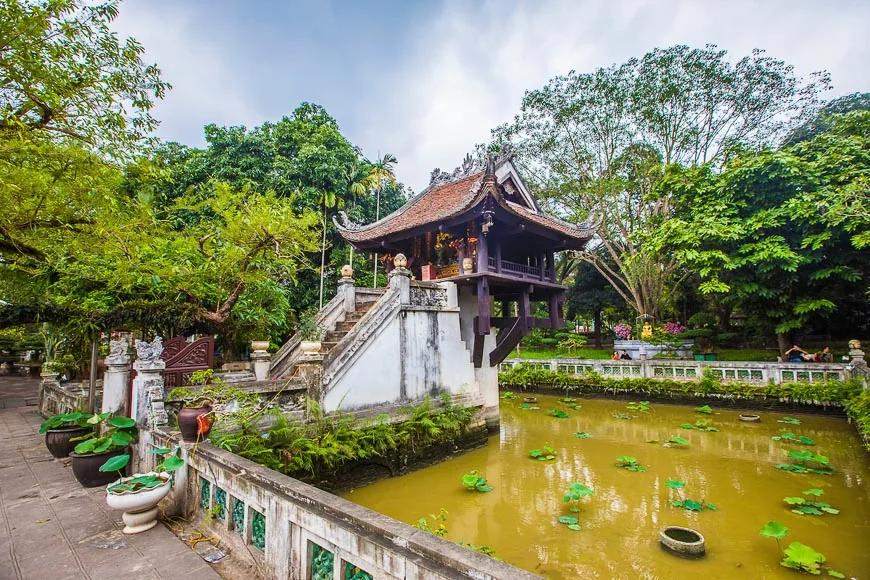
(825,356)
(625,355)
(615,355)
(796,354)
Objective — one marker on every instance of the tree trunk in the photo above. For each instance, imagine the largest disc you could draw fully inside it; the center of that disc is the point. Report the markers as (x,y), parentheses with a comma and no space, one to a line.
(783,341)
(596,328)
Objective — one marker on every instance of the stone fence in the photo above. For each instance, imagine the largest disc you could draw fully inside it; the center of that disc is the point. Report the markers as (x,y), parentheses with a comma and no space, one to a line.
(687,370)
(291,528)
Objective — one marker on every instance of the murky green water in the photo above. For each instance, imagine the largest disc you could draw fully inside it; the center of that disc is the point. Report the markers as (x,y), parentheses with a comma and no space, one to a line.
(732,468)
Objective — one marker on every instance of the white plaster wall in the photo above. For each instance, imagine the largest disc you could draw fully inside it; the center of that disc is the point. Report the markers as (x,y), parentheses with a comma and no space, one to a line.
(485,377)
(418,353)
(374,377)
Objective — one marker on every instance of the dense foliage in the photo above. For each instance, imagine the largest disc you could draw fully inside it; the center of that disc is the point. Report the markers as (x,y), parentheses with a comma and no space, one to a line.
(327,442)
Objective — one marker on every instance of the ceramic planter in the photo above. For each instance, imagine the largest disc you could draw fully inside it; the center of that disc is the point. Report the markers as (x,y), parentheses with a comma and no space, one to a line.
(187,422)
(139,507)
(86,468)
(310,346)
(58,440)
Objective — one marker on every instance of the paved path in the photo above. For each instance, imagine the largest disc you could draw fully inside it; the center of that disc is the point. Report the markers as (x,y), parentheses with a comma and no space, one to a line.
(18,391)
(51,527)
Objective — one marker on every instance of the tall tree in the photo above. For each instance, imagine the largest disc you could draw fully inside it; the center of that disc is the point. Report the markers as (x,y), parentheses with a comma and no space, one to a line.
(593,145)
(382,173)
(64,73)
(778,234)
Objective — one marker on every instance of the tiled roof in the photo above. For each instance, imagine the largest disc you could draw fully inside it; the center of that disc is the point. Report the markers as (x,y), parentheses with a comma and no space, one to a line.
(434,203)
(444,200)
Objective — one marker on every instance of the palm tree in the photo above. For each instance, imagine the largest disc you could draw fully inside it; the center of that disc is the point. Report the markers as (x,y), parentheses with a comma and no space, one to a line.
(381,172)
(328,199)
(359,182)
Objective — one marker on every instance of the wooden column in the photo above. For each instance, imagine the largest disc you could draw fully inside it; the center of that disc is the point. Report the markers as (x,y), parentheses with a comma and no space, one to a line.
(483,306)
(551,265)
(542,265)
(524,310)
(482,254)
(555,308)
(498,256)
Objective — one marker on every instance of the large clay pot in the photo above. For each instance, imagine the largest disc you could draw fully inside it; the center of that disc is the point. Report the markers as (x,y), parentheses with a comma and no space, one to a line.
(86,468)
(187,422)
(140,507)
(58,440)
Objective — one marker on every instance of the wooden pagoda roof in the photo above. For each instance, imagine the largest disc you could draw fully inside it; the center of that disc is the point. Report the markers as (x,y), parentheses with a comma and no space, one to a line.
(462,196)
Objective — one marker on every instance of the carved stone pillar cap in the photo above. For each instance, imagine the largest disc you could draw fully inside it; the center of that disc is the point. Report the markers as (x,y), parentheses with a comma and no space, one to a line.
(346,271)
(400,272)
(400,261)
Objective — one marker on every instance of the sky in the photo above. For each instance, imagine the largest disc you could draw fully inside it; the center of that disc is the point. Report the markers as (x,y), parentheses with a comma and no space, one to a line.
(427,80)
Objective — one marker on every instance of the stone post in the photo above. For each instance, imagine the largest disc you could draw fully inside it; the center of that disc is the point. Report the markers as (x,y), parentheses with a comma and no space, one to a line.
(147,407)
(261,359)
(347,288)
(858,366)
(116,377)
(400,278)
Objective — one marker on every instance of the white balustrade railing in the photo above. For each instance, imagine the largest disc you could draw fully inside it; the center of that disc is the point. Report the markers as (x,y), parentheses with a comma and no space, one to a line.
(687,370)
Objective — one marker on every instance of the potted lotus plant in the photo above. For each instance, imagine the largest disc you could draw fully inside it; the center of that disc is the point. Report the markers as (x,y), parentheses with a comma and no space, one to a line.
(138,495)
(60,430)
(95,448)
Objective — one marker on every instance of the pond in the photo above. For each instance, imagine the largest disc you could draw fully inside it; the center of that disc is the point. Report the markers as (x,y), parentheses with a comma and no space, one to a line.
(619,525)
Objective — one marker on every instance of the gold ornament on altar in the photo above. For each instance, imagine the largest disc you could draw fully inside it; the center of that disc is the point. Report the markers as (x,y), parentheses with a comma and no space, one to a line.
(400,261)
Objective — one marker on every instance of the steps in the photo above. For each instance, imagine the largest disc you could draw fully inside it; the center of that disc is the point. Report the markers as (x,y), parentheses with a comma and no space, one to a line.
(333,337)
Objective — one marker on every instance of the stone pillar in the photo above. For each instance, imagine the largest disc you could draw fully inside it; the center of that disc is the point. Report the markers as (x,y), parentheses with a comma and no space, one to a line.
(347,288)
(400,278)
(116,377)
(147,407)
(261,359)
(858,366)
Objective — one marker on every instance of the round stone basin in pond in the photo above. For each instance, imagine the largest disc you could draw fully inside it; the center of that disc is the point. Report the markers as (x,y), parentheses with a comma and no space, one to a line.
(683,541)
(620,523)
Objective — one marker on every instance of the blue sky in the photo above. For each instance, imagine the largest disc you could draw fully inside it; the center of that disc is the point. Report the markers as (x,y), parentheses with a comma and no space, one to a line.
(427,80)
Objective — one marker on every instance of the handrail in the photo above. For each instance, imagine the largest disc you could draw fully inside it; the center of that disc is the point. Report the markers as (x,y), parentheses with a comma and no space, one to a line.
(748,371)
(286,356)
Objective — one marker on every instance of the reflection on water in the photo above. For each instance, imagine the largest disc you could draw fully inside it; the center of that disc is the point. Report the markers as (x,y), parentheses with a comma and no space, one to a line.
(732,468)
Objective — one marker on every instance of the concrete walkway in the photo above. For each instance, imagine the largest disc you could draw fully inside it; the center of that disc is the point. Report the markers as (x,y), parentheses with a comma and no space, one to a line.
(52,527)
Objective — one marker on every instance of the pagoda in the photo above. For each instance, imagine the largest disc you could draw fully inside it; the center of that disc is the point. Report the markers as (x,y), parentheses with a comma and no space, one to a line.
(481,228)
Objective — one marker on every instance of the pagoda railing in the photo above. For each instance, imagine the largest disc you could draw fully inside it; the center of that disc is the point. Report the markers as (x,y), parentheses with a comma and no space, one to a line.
(523,271)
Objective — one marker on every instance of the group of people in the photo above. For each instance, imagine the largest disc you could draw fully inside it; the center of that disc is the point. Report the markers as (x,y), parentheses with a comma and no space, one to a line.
(797,354)
(620,355)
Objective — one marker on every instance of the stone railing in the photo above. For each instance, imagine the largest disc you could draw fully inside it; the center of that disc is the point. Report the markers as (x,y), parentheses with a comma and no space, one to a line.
(290,527)
(286,356)
(427,294)
(56,397)
(749,372)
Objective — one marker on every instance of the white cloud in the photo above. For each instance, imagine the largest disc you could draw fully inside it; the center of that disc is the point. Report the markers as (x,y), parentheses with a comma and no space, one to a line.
(471,65)
(204,89)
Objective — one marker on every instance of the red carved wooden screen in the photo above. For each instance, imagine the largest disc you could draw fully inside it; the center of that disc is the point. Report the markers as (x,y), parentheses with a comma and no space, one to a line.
(182,359)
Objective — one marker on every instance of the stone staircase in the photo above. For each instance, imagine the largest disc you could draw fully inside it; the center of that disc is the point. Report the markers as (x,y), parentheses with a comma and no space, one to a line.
(342,327)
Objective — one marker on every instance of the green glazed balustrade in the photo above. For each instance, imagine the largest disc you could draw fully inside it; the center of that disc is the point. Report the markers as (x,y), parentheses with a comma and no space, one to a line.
(352,572)
(220,503)
(239,516)
(321,563)
(204,493)
(258,531)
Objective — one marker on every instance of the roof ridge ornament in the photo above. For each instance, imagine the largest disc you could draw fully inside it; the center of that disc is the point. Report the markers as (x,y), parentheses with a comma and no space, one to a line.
(342,221)
(469,167)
